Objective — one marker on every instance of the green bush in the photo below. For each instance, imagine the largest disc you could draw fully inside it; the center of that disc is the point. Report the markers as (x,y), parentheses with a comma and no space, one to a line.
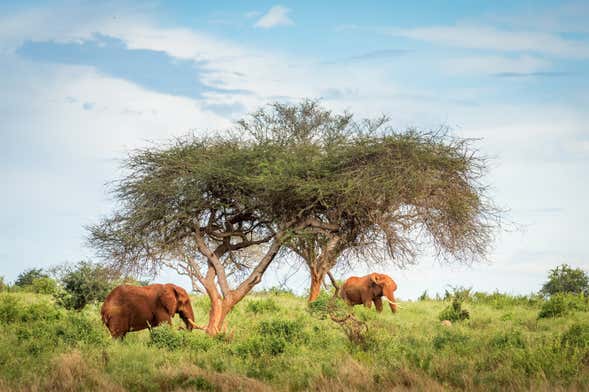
(84,283)
(10,308)
(3,286)
(561,304)
(44,286)
(290,330)
(501,301)
(454,311)
(267,305)
(26,278)
(508,339)
(565,279)
(577,336)
(448,337)
(164,336)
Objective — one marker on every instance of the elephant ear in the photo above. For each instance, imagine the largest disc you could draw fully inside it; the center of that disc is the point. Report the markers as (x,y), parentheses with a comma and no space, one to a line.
(169,298)
(375,279)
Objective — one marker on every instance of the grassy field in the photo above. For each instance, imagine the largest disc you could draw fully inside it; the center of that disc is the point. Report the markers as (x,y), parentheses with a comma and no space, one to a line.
(276,343)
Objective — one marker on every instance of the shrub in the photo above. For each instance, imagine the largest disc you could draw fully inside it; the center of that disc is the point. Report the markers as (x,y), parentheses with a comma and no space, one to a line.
(565,279)
(454,311)
(267,305)
(9,309)
(460,293)
(164,336)
(26,278)
(561,304)
(290,330)
(577,336)
(448,338)
(44,286)
(3,286)
(424,296)
(84,283)
(501,301)
(508,339)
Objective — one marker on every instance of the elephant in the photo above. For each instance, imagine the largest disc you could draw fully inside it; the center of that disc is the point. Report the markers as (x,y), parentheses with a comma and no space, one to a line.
(370,288)
(133,308)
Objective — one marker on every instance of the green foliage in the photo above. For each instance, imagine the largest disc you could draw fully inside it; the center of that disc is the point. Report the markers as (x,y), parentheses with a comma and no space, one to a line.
(562,304)
(501,301)
(448,337)
(565,279)
(424,296)
(44,286)
(84,283)
(454,311)
(166,337)
(266,305)
(26,278)
(577,337)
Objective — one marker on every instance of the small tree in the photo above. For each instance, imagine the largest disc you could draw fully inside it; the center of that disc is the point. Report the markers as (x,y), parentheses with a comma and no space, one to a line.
(84,283)
(3,285)
(26,278)
(565,279)
(44,286)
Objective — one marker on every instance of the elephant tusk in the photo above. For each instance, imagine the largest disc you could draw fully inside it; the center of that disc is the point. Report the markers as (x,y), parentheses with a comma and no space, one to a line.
(194,325)
(394,303)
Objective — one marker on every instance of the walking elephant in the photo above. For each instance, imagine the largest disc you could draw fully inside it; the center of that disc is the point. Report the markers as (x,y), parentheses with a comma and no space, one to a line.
(133,308)
(370,288)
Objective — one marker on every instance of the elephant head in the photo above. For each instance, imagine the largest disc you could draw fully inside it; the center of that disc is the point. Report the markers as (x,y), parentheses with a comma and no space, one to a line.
(176,300)
(383,285)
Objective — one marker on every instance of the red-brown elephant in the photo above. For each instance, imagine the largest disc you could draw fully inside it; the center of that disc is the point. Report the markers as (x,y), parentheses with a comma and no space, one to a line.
(133,308)
(370,288)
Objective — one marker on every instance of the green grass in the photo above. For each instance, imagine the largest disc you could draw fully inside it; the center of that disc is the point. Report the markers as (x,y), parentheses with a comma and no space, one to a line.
(275,343)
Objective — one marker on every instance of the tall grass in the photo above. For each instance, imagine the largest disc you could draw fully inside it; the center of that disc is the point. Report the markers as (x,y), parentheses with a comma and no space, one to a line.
(275,341)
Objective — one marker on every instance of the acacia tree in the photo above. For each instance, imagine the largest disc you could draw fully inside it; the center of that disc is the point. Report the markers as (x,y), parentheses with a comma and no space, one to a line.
(199,204)
(382,190)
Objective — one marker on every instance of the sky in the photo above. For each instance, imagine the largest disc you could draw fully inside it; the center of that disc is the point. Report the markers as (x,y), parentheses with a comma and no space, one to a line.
(83,83)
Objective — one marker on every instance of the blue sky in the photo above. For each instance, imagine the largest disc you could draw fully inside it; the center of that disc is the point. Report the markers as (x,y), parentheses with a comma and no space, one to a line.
(81,83)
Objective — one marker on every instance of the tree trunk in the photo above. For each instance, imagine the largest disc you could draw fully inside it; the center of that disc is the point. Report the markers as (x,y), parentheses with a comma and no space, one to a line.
(220,308)
(316,280)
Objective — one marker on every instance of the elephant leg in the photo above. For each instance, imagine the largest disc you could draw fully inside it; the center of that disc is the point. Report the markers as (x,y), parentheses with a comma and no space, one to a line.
(378,304)
(367,301)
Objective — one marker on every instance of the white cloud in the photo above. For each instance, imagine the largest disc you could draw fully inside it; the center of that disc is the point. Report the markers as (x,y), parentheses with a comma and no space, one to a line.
(494,65)
(490,38)
(276,16)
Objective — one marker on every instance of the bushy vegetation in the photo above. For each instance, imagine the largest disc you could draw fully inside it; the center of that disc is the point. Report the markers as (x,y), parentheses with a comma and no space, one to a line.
(275,341)
(27,277)
(565,279)
(84,283)
(562,304)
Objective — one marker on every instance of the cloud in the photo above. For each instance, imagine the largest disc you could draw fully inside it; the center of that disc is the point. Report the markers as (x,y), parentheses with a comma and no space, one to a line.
(155,70)
(372,55)
(276,16)
(494,65)
(491,38)
(549,74)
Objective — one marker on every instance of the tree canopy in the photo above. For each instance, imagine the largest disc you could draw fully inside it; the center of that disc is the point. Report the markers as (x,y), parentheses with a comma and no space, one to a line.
(219,209)
(566,279)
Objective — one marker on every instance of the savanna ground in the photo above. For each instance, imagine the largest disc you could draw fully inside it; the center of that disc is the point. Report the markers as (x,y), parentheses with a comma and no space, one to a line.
(277,343)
